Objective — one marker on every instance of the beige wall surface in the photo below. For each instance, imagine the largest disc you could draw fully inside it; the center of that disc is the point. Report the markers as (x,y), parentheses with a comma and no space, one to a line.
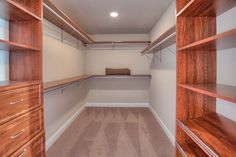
(4,55)
(61,60)
(226,64)
(98,58)
(163,84)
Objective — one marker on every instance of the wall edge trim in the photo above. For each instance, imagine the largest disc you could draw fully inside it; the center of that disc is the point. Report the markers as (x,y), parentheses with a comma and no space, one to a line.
(163,126)
(107,104)
(61,130)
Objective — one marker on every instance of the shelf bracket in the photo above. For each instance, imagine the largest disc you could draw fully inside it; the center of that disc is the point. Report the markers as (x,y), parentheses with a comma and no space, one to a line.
(167,47)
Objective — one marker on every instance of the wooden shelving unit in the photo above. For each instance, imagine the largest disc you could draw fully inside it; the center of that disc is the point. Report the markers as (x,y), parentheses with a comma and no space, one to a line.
(197,90)
(214,133)
(21,96)
(164,40)
(19,10)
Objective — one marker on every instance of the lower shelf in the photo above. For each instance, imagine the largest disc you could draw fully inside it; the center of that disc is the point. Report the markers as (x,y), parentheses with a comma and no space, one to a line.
(214,134)
(190,150)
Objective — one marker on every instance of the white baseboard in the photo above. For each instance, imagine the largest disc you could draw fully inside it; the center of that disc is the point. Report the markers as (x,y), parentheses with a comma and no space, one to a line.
(94,104)
(59,132)
(164,127)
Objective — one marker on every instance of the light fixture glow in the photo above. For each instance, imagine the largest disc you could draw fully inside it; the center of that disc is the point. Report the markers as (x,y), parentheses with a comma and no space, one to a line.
(114,14)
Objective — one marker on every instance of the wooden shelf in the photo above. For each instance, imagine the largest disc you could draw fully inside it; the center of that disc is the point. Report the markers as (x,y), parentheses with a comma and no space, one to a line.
(214,133)
(224,92)
(10,10)
(222,41)
(206,7)
(190,150)
(11,46)
(57,17)
(163,41)
(121,76)
(8,85)
(59,83)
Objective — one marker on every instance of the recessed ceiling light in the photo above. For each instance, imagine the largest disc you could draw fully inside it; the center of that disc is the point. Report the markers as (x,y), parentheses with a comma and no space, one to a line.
(114,14)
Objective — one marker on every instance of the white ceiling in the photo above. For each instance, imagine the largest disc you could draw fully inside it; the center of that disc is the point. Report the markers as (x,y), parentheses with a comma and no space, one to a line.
(135,16)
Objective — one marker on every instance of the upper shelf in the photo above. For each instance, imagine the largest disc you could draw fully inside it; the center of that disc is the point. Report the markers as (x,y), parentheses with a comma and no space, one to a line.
(163,41)
(214,133)
(224,92)
(11,46)
(57,17)
(11,10)
(223,40)
(206,7)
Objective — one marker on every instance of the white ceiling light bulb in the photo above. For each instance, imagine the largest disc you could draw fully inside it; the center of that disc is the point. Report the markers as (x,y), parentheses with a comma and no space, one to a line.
(114,14)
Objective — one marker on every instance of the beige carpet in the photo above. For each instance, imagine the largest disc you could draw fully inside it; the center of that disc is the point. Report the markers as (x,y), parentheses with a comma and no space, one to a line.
(113,132)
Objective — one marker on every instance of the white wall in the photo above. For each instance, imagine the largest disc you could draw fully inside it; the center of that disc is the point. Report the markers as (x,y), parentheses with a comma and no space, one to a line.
(4,55)
(166,21)
(120,56)
(61,60)
(226,63)
(163,83)
(99,58)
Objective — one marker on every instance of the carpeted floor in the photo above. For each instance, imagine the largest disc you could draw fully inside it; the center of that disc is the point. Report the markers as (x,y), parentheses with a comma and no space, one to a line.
(113,132)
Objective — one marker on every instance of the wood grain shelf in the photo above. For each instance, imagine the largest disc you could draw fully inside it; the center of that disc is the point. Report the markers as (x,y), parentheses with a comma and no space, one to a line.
(121,76)
(164,40)
(206,7)
(63,82)
(214,133)
(222,41)
(10,10)
(59,83)
(190,150)
(12,46)
(224,92)
(9,85)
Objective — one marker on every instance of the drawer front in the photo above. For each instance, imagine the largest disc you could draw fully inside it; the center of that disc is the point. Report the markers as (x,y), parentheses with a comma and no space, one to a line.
(34,148)
(17,102)
(16,133)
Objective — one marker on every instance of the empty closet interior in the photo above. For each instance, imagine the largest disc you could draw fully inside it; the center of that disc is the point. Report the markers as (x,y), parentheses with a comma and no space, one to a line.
(117,78)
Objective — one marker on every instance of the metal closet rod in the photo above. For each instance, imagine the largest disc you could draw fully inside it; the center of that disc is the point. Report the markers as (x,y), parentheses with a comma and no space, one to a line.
(55,13)
(160,43)
(120,42)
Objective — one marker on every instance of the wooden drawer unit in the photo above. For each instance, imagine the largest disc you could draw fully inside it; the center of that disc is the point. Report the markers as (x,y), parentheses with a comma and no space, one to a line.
(17,102)
(19,131)
(34,148)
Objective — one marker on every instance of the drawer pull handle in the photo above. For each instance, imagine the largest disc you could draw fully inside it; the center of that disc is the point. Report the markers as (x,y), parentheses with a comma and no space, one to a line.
(22,153)
(18,134)
(16,102)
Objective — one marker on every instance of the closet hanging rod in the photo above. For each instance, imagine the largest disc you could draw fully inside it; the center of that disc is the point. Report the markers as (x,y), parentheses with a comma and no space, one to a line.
(160,43)
(118,42)
(71,26)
